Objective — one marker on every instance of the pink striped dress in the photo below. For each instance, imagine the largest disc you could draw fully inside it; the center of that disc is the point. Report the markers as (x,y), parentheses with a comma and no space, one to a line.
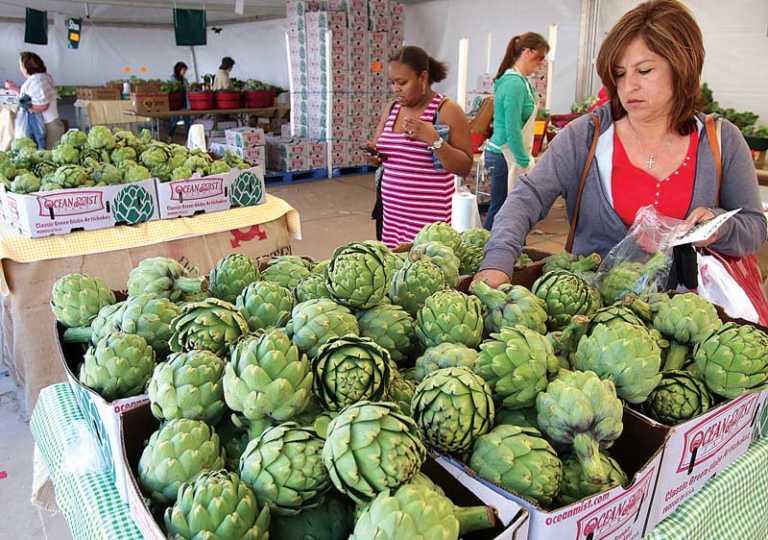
(413,192)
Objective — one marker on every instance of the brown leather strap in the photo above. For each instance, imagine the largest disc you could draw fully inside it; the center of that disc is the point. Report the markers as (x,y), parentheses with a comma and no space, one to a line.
(714,146)
(582,182)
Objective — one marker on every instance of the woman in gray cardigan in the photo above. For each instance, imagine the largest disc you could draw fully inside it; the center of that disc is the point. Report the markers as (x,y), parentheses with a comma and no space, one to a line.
(652,149)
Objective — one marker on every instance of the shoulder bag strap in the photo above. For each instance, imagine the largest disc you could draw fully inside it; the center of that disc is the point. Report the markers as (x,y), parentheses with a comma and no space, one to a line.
(582,182)
(712,125)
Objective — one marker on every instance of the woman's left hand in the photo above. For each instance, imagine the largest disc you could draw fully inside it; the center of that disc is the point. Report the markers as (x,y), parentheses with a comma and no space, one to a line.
(697,216)
(419,130)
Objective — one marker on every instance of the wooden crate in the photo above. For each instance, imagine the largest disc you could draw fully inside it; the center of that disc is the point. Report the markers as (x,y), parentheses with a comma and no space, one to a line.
(99,93)
(150,102)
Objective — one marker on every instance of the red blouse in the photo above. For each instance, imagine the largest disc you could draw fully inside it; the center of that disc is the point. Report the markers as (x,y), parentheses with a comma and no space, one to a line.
(632,187)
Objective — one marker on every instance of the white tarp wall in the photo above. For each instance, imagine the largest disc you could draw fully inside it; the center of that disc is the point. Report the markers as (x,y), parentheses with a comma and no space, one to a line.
(736,43)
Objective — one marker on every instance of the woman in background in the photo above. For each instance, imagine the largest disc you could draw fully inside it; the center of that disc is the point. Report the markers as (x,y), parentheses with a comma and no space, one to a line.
(180,76)
(221,80)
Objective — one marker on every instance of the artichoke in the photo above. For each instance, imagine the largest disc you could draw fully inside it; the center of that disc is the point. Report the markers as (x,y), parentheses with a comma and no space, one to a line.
(510,305)
(162,277)
(71,176)
(401,391)
(118,366)
(572,263)
(678,397)
(231,275)
(264,305)
(471,257)
(217,505)
(136,173)
(581,410)
(286,270)
(476,237)
(516,365)
(732,360)
(371,447)
(284,467)
(65,154)
(625,354)
(148,317)
(568,340)
(211,325)
(332,520)
(74,137)
(565,294)
(357,275)
(392,328)
(25,183)
(349,369)
(453,407)
(450,316)
(576,486)
(416,511)
(443,256)
(77,298)
(188,385)
(633,277)
(443,356)
(517,417)
(519,460)
(100,137)
(311,287)
(177,453)
(314,322)
(438,232)
(414,283)
(267,377)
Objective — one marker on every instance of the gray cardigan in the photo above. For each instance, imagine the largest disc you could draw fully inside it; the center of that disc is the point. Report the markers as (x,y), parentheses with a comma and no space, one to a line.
(599,226)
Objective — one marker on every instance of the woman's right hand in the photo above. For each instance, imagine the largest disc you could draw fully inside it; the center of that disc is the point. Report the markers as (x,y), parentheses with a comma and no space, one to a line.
(492,278)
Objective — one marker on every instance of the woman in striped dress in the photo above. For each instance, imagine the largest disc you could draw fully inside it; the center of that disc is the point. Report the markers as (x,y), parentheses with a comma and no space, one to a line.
(417,183)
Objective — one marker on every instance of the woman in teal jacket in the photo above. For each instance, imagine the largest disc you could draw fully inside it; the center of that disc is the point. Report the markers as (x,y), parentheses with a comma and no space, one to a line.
(508,151)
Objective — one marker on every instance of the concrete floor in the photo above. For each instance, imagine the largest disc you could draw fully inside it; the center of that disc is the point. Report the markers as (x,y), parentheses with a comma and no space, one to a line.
(333,212)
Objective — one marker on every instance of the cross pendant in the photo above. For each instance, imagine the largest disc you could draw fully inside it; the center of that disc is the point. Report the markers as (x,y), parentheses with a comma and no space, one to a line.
(651,161)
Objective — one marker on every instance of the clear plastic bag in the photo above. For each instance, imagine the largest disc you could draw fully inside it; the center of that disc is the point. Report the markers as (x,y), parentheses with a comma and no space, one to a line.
(641,262)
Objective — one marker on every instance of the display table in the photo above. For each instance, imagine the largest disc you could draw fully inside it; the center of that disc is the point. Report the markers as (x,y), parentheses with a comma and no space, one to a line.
(28,269)
(241,114)
(106,112)
(731,505)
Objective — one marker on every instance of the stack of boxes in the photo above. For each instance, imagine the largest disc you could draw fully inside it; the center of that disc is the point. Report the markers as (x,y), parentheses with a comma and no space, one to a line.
(246,142)
(341,87)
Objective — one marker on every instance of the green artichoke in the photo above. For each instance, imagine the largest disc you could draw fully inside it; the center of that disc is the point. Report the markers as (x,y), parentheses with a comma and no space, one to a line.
(633,277)
(349,369)
(65,154)
(148,317)
(516,364)
(264,305)
(314,322)
(101,137)
(188,385)
(450,316)
(71,176)
(357,275)
(471,257)
(217,505)
(580,326)
(267,376)
(401,391)
(77,298)
(118,366)
(211,325)
(572,263)
(565,294)
(392,328)
(453,407)
(581,410)
(231,275)
(234,439)
(519,460)
(517,417)
(177,453)
(414,283)
(415,511)
(371,447)
(625,354)
(438,232)
(25,183)
(443,256)
(162,277)
(284,467)
(576,486)
(510,305)
(311,287)
(678,397)
(286,270)
(476,237)
(732,360)
(442,356)
(332,520)
(74,138)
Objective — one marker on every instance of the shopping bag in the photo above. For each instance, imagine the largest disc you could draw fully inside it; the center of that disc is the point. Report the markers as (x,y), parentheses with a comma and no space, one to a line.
(733,283)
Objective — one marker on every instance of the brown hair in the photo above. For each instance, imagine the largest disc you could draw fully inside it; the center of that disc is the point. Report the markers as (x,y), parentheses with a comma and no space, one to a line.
(669,30)
(32,63)
(419,61)
(516,46)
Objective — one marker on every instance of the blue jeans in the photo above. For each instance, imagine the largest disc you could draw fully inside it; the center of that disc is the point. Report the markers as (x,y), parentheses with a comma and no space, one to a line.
(174,120)
(496,169)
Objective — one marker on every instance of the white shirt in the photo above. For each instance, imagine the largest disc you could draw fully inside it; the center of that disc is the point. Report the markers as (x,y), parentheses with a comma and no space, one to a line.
(42,91)
(221,80)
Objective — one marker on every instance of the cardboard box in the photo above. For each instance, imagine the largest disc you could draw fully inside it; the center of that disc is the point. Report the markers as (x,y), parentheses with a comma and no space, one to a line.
(99,93)
(150,102)
(138,425)
(245,137)
(212,193)
(66,210)
(617,514)
(254,155)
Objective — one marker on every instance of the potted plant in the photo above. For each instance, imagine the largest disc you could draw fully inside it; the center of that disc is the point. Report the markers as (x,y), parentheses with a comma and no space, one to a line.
(259,95)
(175,91)
(200,97)
(757,137)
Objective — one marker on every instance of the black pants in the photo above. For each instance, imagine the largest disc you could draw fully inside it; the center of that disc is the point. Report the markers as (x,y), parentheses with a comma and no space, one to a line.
(378,208)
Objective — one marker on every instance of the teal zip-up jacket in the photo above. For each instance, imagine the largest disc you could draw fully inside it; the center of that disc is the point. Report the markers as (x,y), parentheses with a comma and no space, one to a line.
(512,106)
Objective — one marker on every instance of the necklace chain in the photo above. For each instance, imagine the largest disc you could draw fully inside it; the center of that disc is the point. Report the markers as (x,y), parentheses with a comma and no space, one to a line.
(650,162)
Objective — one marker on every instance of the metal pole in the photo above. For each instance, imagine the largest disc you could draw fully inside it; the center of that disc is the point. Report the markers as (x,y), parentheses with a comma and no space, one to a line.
(194,63)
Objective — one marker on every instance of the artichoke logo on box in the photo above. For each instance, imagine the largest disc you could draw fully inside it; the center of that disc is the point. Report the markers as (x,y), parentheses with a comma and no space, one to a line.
(622,511)
(246,190)
(132,205)
(704,440)
(63,203)
(197,188)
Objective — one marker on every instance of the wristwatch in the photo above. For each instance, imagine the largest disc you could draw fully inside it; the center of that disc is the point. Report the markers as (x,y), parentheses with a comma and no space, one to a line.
(437,145)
